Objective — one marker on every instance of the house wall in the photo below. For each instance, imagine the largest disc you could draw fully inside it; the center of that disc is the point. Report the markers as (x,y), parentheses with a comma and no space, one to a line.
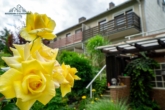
(71,31)
(109,15)
(154,15)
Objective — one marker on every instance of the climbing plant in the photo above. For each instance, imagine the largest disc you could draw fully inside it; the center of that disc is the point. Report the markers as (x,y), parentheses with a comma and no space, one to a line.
(96,56)
(141,71)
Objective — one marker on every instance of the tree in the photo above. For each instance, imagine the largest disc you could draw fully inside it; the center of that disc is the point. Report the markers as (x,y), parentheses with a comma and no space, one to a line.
(96,55)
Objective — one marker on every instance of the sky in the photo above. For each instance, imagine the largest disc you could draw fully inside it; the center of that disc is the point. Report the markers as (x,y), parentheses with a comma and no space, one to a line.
(64,12)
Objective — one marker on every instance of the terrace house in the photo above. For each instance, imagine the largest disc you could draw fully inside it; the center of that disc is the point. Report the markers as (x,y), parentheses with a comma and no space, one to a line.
(131,26)
(115,23)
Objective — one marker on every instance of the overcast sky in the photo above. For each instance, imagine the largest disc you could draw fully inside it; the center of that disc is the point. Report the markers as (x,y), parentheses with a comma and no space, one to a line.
(65,12)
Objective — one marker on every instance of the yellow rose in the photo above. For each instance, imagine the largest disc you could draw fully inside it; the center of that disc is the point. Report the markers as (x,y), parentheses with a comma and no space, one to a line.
(69,75)
(35,50)
(33,82)
(38,25)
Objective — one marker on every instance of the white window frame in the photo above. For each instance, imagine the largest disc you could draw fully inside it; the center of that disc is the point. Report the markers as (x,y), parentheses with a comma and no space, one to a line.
(161,76)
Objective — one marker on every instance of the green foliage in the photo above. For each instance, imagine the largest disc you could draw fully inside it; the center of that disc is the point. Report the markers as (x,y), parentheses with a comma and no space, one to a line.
(1,72)
(2,63)
(85,72)
(56,103)
(106,104)
(5,37)
(94,42)
(10,106)
(142,73)
(100,86)
(96,55)
(1,46)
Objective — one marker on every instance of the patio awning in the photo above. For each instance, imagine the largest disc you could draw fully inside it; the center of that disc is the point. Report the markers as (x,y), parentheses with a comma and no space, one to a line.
(137,45)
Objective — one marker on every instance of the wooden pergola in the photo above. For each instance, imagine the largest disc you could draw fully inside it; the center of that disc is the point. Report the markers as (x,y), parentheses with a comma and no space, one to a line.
(117,55)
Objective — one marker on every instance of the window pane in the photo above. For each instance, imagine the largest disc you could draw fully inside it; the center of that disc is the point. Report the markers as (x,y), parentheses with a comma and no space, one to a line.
(157,72)
(102,25)
(163,77)
(158,78)
(79,30)
(119,19)
(67,35)
(163,66)
(159,84)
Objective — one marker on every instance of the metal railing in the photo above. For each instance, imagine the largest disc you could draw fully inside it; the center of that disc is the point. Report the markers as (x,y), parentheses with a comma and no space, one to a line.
(67,40)
(90,84)
(121,23)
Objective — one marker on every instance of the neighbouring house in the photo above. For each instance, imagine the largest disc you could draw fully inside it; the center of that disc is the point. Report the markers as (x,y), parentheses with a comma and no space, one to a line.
(132,27)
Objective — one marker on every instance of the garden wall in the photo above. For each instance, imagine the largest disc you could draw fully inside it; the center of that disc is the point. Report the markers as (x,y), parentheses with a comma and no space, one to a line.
(158,94)
(121,92)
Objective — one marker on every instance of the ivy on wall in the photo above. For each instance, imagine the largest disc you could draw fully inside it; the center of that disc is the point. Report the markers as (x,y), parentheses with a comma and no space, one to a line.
(141,71)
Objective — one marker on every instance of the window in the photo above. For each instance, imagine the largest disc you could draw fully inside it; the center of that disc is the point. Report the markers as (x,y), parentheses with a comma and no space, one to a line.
(102,25)
(129,17)
(119,20)
(123,19)
(159,80)
(68,35)
(78,31)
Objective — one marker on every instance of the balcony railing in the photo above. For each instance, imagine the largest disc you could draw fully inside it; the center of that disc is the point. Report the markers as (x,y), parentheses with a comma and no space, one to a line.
(124,22)
(67,40)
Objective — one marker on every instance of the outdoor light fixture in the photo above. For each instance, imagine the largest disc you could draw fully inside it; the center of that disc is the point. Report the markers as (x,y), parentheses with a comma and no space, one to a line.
(114,81)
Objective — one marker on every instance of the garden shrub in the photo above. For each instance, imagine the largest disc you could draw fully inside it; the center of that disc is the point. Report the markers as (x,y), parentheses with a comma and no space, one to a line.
(141,71)
(100,86)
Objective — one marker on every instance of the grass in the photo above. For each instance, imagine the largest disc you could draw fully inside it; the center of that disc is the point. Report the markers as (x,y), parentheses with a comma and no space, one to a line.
(105,104)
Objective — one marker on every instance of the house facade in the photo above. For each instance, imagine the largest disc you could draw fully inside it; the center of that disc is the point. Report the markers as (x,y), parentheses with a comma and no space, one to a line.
(151,39)
(133,26)
(115,24)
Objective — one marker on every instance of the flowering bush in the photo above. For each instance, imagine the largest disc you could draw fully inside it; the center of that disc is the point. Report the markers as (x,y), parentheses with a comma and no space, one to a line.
(34,71)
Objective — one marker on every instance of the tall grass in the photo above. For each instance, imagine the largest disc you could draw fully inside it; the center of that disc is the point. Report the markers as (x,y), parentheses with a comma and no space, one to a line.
(105,104)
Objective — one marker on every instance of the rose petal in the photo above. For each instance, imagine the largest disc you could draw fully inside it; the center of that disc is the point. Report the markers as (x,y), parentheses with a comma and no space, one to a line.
(25,105)
(65,88)
(7,79)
